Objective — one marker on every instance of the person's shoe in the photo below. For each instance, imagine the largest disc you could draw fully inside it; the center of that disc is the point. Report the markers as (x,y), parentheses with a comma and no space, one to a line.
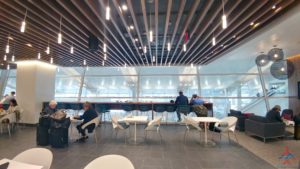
(82,139)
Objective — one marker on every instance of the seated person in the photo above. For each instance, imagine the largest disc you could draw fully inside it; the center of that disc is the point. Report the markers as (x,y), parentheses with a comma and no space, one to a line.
(197,106)
(274,114)
(196,100)
(51,109)
(88,115)
(13,106)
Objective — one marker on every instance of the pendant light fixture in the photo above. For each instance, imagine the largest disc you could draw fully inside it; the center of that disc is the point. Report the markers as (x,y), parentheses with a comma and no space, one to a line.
(5,58)
(169,64)
(104,48)
(150,32)
(59,38)
(84,62)
(23,24)
(169,46)
(48,50)
(184,47)
(102,62)
(39,56)
(8,67)
(125,65)
(192,65)
(150,36)
(107,12)
(105,56)
(7,46)
(153,58)
(224,18)
(51,60)
(145,49)
(213,41)
(13,55)
(72,49)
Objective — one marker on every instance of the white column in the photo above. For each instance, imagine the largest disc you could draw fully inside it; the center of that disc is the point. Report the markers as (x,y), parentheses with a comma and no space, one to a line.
(35,85)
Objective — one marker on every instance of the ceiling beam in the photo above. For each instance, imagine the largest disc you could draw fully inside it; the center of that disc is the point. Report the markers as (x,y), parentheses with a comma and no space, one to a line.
(166,29)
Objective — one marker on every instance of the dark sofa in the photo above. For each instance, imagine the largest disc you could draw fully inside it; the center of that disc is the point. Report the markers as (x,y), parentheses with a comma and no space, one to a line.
(261,127)
(241,119)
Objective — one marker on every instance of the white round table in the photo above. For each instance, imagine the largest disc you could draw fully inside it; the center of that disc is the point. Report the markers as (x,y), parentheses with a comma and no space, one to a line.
(110,162)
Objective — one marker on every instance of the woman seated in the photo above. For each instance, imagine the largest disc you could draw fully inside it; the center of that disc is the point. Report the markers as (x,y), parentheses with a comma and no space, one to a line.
(197,106)
(13,108)
(88,115)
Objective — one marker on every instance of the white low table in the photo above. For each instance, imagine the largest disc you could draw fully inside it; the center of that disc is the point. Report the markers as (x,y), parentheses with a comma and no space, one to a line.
(19,165)
(206,120)
(135,120)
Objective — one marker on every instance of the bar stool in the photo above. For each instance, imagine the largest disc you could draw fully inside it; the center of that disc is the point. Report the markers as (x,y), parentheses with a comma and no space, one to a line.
(128,108)
(171,108)
(145,108)
(160,108)
(185,109)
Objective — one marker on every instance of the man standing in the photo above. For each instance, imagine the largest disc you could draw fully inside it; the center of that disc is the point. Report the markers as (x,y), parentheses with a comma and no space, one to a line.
(181,100)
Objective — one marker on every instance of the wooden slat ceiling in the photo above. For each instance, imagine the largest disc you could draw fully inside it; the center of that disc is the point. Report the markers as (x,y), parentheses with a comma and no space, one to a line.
(168,19)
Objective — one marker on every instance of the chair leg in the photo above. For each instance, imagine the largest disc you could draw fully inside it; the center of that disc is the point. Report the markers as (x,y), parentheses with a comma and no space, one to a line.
(125,136)
(185,135)
(228,136)
(146,132)
(167,117)
(8,128)
(95,136)
(117,133)
(160,136)
(236,137)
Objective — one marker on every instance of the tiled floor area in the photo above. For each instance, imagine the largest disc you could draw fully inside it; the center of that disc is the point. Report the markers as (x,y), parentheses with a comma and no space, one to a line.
(171,154)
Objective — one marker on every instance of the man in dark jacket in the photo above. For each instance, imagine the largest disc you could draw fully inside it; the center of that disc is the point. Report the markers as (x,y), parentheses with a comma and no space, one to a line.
(181,100)
(51,109)
(88,115)
(274,114)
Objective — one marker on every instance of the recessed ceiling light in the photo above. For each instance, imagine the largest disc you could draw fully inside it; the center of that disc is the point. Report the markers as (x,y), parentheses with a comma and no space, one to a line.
(136,39)
(131,27)
(29,45)
(274,7)
(71,60)
(10,38)
(252,23)
(234,36)
(124,7)
(140,47)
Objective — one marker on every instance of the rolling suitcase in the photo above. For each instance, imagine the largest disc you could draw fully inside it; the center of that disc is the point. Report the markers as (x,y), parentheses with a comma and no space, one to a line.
(42,136)
(42,132)
(58,137)
(59,132)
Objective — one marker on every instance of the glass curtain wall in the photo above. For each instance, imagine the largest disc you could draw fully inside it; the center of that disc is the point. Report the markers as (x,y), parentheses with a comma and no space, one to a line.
(227,90)
(237,87)
(11,82)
